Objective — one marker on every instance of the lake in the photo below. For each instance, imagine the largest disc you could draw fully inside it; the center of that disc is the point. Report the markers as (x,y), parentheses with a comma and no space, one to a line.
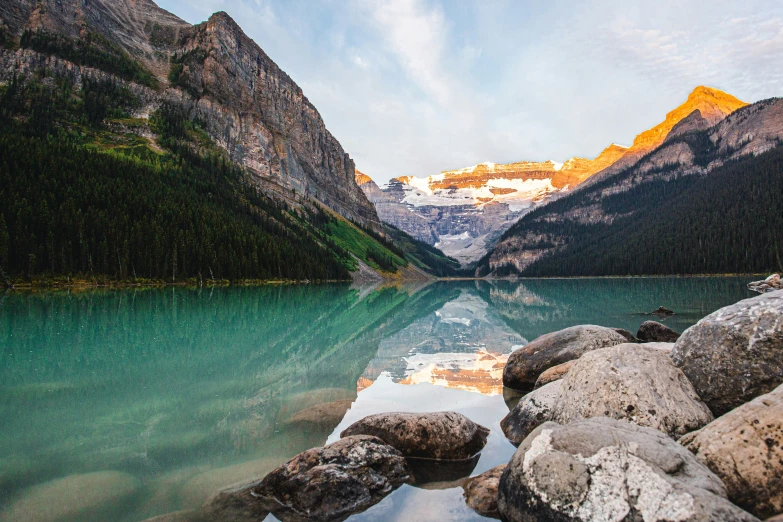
(126,404)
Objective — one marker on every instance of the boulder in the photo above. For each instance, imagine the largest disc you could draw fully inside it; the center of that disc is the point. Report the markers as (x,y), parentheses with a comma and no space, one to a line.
(628,335)
(632,382)
(745,449)
(554,373)
(735,354)
(329,483)
(605,469)
(533,409)
(776,518)
(442,435)
(526,364)
(653,331)
(481,492)
(769,284)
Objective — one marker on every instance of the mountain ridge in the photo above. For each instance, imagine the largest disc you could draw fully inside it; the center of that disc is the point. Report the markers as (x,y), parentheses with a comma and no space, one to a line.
(691,151)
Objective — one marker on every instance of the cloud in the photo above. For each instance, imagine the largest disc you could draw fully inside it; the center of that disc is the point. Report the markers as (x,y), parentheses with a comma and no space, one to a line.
(413,87)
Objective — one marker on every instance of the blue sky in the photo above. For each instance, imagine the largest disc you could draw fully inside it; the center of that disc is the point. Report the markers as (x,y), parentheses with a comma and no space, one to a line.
(413,87)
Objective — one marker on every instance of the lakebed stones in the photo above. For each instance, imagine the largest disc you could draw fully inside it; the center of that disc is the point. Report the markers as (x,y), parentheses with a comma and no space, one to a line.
(533,409)
(653,331)
(634,383)
(71,497)
(329,483)
(735,353)
(481,492)
(745,449)
(526,364)
(605,469)
(442,435)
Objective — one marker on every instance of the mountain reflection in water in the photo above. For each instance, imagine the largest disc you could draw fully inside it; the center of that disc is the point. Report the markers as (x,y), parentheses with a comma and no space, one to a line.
(164,396)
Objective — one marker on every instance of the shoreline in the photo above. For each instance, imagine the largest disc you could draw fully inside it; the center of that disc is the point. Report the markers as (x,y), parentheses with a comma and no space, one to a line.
(81,284)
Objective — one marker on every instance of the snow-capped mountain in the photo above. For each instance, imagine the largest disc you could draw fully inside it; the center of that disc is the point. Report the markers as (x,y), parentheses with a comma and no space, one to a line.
(464,211)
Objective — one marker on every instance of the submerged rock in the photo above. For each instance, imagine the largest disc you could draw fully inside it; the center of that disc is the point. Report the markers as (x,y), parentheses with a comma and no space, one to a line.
(329,483)
(328,414)
(441,435)
(533,409)
(604,469)
(745,449)
(653,331)
(735,354)
(631,382)
(663,311)
(481,492)
(555,373)
(71,497)
(525,365)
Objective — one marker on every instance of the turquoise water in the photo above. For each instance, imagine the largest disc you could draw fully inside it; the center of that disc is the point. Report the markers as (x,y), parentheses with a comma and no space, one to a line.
(124,405)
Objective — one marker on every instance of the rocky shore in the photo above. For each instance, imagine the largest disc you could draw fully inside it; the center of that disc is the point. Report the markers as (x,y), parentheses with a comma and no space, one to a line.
(658,427)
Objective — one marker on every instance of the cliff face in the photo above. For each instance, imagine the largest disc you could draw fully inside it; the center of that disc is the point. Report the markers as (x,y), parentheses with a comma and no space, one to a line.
(250,107)
(693,147)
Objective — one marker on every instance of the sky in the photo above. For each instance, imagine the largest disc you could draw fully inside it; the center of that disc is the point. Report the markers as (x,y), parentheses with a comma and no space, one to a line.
(414,87)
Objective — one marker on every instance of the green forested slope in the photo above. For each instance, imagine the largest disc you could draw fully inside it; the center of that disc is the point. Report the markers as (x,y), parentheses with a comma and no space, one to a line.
(728,221)
(85,197)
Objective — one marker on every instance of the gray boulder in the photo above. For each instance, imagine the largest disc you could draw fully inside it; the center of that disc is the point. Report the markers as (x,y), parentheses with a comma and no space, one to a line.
(481,492)
(526,364)
(329,483)
(632,382)
(655,332)
(770,284)
(604,469)
(554,373)
(442,435)
(745,449)
(735,354)
(533,409)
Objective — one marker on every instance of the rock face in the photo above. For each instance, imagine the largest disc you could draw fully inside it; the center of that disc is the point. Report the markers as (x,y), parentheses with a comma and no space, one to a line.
(634,383)
(554,373)
(712,105)
(481,492)
(531,411)
(526,364)
(251,108)
(736,353)
(745,449)
(769,284)
(652,331)
(444,435)
(330,483)
(604,469)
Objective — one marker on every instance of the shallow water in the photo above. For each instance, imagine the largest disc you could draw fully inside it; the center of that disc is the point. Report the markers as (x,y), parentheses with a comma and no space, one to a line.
(123,405)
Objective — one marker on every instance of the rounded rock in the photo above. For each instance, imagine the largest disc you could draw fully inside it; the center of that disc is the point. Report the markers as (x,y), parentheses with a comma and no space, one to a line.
(525,365)
(441,435)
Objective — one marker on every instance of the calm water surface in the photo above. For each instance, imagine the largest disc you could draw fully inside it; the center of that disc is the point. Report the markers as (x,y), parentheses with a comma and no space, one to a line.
(124,405)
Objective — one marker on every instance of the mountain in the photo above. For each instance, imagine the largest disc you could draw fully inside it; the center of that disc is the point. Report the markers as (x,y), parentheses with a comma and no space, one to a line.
(248,182)
(462,212)
(707,199)
(712,106)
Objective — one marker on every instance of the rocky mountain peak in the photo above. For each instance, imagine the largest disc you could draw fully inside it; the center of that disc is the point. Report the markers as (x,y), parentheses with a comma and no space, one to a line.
(361,178)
